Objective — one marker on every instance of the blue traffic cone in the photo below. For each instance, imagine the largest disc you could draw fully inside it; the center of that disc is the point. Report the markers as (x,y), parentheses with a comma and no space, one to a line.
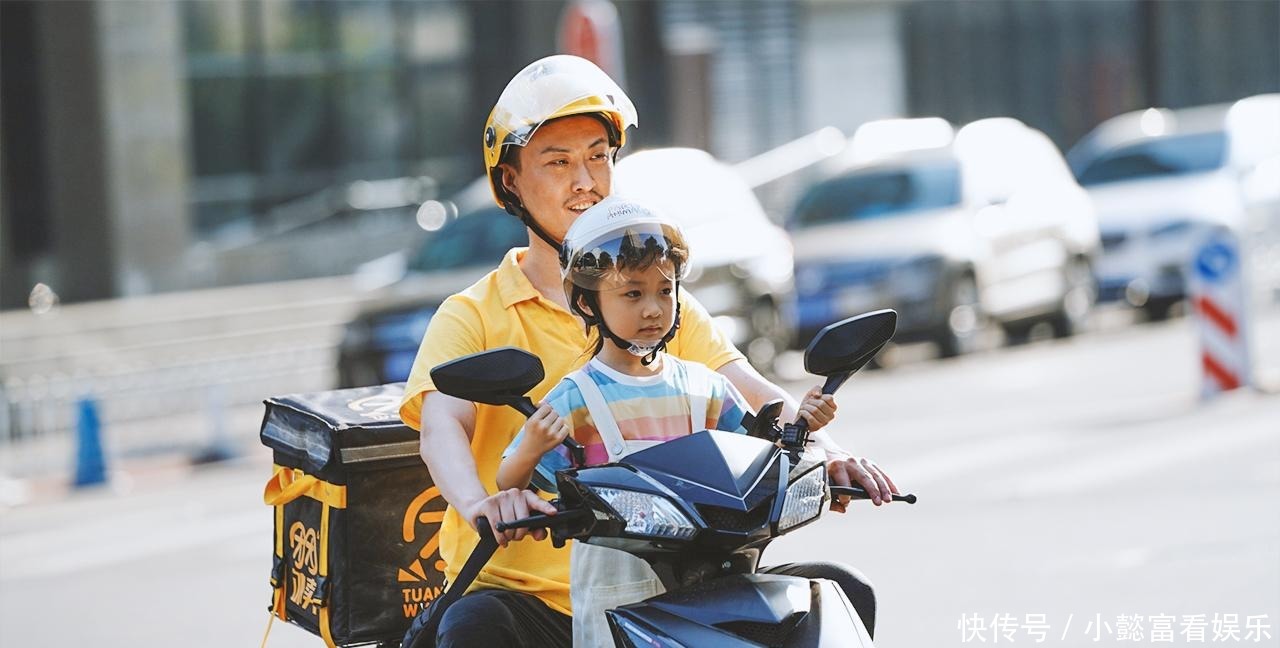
(91,465)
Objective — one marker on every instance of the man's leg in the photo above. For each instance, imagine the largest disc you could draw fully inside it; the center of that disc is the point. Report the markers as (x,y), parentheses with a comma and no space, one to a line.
(855,585)
(503,618)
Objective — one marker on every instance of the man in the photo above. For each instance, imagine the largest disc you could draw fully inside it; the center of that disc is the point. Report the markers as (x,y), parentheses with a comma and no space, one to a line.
(550,144)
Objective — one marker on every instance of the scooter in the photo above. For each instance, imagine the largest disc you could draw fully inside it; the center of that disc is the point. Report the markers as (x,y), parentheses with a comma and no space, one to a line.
(699,509)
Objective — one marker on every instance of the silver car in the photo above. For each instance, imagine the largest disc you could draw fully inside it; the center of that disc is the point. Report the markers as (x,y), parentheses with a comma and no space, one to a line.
(955,229)
(1162,179)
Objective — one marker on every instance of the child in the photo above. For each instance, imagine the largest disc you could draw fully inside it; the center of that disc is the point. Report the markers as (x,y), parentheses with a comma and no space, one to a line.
(622,267)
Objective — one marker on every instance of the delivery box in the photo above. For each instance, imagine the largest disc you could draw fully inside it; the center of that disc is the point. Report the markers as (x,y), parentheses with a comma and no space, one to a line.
(356,515)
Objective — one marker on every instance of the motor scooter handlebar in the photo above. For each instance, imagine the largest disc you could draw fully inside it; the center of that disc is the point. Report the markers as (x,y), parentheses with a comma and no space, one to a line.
(540,521)
(857,493)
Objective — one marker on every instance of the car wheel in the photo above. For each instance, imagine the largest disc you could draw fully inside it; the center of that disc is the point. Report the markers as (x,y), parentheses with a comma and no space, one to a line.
(965,324)
(1077,301)
(1158,309)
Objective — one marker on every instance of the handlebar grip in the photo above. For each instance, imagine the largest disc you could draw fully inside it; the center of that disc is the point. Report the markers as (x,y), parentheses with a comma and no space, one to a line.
(859,493)
(532,522)
(539,520)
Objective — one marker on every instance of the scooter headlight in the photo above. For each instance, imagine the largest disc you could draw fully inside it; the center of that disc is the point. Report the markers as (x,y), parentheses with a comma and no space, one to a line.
(805,497)
(648,515)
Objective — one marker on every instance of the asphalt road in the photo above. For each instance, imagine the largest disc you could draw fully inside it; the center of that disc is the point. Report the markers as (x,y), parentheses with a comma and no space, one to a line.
(1083,481)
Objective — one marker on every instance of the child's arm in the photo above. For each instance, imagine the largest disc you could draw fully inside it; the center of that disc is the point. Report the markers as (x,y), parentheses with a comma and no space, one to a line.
(817,408)
(541,434)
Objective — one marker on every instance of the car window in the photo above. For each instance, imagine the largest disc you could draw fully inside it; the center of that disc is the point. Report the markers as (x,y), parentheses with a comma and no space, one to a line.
(880,193)
(477,238)
(1165,156)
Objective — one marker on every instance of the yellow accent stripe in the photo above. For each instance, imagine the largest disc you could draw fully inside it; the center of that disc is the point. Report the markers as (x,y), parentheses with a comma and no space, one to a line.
(280,531)
(288,484)
(324,627)
(324,572)
(324,540)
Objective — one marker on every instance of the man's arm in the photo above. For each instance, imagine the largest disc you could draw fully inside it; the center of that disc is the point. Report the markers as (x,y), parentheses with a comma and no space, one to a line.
(445,445)
(844,468)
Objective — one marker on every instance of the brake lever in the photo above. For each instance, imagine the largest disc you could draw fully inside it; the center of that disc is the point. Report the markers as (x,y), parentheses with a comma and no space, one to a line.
(577,453)
(855,492)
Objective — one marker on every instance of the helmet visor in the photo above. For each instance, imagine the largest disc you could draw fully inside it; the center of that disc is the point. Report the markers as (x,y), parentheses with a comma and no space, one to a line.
(557,86)
(612,259)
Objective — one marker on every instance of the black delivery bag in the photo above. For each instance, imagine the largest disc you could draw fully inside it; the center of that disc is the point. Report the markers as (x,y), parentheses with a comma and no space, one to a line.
(356,515)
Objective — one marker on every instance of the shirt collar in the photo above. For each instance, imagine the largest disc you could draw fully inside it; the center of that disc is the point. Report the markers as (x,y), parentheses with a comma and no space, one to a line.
(513,286)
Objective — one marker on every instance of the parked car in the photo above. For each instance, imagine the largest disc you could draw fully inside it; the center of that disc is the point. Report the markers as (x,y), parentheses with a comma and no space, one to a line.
(1162,178)
(741,266)
(953,229)
(380,343)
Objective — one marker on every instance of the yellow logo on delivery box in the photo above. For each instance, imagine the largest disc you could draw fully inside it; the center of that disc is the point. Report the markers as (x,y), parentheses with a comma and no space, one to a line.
(416,515)
(302,546)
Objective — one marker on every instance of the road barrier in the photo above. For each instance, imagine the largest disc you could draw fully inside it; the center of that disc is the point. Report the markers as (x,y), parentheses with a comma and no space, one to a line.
(1218,297)
(91,463)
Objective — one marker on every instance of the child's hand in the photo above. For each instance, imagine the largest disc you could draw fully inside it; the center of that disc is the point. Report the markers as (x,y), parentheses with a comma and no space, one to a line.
(818,408)
(544,431)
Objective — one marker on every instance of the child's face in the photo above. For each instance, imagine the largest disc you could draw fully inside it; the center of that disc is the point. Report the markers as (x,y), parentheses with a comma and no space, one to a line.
(642,308)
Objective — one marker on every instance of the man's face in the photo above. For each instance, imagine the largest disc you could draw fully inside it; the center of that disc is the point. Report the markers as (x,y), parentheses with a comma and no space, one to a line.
(565,168)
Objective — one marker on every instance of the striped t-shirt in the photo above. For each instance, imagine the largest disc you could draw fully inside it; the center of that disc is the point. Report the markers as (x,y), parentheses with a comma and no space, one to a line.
(646,408)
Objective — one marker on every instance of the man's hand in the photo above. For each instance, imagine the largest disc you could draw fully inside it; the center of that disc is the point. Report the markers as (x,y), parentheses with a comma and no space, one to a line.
(848,471)
(817,408)
(542,432)
(508,506)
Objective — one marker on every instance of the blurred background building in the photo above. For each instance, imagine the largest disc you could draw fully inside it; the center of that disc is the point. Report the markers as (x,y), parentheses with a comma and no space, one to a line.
(159,146)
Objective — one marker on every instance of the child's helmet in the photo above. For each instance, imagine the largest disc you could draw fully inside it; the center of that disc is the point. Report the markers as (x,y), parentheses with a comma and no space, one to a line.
(612,237)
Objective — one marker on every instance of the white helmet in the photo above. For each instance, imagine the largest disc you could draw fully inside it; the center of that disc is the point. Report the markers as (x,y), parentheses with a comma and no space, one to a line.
(616,234)
(613,236)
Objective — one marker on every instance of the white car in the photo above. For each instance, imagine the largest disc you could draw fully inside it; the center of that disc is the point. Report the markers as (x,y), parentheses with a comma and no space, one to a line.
(1162,178)
(740,270)
(952,228)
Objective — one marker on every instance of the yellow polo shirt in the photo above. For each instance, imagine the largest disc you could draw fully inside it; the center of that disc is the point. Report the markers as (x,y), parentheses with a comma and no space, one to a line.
(504,309)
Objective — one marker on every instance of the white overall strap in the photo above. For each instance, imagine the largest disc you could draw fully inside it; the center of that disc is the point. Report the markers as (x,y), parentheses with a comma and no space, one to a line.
(699,384)
(606,426)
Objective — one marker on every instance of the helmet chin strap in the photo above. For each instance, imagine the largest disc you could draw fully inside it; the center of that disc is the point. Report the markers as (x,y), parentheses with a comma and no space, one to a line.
(647,353)
(528,220)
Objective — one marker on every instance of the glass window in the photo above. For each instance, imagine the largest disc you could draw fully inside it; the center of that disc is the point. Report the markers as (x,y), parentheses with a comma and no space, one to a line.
(299,134)
(1165,156)
(436,33)
(366,31)
(439,101)
(292,96)
(213,28)
(217,135)
(372,123)
(880,193)
(295,25)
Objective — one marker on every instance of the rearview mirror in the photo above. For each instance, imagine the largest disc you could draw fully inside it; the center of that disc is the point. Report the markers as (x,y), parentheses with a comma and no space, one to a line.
(840,349)
(499,376)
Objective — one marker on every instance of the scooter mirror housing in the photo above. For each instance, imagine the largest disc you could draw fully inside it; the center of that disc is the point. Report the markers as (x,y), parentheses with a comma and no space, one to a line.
(844,347)
(849,344)
(499,376)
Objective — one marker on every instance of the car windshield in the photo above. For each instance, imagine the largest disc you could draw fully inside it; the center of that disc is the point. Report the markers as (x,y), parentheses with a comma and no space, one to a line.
(880,193)
(1165,156)
(477,238)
